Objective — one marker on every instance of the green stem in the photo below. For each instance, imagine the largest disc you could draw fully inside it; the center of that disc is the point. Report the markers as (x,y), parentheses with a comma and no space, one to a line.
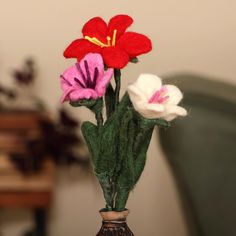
(113,195)
(121,199)
(117,75)
(110,100)
(107,191)
(99,118)
(97,110)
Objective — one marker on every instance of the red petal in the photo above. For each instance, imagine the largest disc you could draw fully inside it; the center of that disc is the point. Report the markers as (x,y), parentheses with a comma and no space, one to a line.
(79,48)
(96,27)
(135,44)
(119,23)
(115,57)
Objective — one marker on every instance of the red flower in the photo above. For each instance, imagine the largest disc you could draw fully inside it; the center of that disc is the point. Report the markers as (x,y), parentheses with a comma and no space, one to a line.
(116,46)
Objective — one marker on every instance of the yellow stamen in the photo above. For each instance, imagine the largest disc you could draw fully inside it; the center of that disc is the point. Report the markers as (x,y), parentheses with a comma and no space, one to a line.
(114,37)
(91,40)
(99,42)
(109,41)
(95,41)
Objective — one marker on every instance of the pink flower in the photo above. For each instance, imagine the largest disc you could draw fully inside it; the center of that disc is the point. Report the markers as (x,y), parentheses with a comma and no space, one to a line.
(86,79)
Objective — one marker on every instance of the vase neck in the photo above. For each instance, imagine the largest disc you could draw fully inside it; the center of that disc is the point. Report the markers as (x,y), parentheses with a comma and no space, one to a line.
(114,223)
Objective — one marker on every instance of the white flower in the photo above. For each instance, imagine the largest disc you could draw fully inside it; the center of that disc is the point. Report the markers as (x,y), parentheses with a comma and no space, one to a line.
(153,100)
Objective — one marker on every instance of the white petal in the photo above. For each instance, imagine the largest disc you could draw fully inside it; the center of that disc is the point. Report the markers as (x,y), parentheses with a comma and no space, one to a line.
(149,111)
(154,111)
(143,89)
(172,111)
(148,84)
(136,95)
(174,93)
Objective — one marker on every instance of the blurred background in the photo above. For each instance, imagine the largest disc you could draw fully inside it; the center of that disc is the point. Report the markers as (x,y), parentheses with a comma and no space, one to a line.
(191,39)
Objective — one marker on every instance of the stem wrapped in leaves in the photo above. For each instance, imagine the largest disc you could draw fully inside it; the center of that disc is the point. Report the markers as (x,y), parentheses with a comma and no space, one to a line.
(119,146)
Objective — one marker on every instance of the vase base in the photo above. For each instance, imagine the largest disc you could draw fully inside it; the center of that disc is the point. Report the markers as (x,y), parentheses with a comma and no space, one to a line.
(114,228)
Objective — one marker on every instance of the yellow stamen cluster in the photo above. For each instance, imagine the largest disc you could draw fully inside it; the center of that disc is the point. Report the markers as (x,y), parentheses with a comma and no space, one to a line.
(110,42)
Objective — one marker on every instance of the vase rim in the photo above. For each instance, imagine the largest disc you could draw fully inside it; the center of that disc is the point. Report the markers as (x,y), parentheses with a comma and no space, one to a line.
(114,215)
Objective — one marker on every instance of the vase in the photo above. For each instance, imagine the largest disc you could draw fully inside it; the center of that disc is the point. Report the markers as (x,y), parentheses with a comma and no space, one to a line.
(114,224)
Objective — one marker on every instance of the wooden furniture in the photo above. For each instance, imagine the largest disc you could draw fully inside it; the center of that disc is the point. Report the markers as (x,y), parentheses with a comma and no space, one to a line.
(18,190)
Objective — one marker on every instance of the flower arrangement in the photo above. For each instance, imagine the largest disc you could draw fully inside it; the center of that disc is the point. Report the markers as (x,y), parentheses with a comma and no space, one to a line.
(119,143)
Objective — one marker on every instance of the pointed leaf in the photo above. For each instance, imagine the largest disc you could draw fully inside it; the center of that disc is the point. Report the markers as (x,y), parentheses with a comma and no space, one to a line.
(90,133)
(140,159)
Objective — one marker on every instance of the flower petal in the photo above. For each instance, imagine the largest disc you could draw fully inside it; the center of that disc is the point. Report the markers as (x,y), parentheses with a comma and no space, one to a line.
(65,85)
(135,44)
(119,23)
(78,94)
(148,110)
(93,60)
(114,57)
(103,82)
(68,78)
(136,95)
(96,27)
(173,111)
(154,111)
(79,48)
(65,97)
(148,84)
(175,95)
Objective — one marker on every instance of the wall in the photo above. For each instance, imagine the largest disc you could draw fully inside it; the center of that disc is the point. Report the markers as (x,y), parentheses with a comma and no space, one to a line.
(187,35)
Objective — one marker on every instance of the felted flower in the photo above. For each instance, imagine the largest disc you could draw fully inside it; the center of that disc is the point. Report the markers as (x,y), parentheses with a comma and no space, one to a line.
(153,100)
(116,46)
(86,79)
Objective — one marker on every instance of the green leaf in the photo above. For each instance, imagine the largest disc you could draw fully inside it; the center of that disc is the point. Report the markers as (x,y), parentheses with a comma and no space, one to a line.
(109,140)
(140,158)
(150,123)
(125,181)
(124,161)
(121,199)
(121,109)
(105,183)
(94,105)
(90,133)
(134,60)
(84,102)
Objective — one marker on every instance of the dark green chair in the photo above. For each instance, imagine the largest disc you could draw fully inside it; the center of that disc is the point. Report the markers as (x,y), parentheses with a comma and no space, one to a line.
(201,152)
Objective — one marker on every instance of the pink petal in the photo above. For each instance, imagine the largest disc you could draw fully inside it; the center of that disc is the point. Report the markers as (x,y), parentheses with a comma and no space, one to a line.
(79,94)
(102,82)
(65,85)
(68,78)
(93,60)
(66,96)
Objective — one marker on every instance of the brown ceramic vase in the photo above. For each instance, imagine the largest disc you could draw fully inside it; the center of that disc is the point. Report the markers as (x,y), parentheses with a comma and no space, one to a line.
(114,224)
